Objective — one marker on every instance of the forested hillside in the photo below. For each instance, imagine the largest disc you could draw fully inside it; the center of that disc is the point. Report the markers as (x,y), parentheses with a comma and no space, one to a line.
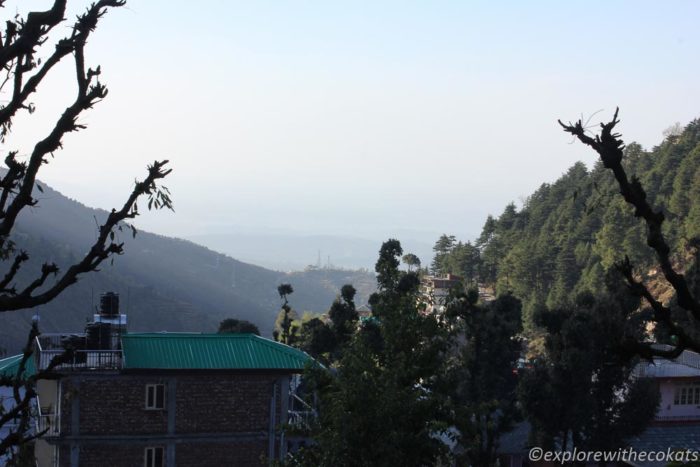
(570,232)
(165,283)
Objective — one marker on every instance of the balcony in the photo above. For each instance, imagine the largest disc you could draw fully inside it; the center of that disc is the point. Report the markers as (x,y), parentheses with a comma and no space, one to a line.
(300,415)
(47,424)
(46,419)
(80,358)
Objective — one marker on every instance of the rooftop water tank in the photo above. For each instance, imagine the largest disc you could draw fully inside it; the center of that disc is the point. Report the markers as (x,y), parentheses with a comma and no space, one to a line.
(109,304)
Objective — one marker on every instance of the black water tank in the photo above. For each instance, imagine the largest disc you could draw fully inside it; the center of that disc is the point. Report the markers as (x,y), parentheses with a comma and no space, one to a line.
(109,304)
(98,336)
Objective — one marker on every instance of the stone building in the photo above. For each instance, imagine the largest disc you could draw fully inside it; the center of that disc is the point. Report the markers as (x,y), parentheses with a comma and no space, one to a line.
(166,399)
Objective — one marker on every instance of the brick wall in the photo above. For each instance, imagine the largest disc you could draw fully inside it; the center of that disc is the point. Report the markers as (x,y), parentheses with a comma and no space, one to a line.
(97,455)
(243,454)
(64,455)
(238,403)
(110,406)
(232,454)
(226,406)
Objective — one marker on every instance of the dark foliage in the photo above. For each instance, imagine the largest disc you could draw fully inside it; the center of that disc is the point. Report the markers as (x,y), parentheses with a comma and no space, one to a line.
(285,331)
(609,147)
(326,341)
(480,377)
(569,233)
(237,326)
(379,407)
(581,393)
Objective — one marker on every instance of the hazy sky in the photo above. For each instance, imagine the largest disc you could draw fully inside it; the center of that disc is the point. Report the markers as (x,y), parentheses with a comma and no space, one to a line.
(362,118)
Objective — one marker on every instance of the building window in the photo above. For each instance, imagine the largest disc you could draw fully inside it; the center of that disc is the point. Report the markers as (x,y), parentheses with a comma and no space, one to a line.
(155,396)
(687,395)
(154,457)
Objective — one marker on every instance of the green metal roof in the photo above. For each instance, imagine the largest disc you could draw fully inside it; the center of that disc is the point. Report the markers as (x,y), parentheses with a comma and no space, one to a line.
(10,365)
(188,351)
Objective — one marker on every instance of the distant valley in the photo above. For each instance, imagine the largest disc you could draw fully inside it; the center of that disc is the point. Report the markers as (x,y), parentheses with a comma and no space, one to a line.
(293,252)
(164,283)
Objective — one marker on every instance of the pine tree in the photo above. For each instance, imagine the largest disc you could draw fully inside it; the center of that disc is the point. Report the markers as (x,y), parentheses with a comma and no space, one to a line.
(581,393)
(378,408)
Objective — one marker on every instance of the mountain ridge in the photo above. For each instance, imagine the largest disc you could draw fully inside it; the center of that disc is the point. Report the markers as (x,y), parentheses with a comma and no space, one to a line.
(570,233)
(165,283)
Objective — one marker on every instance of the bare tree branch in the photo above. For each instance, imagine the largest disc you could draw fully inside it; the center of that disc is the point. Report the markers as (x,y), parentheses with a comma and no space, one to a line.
(15,172)
(18,183)
(23,394)
(609,147)
(100,250)
(31,32)
(662,314)
(19,259)
(88,95)
(21,44)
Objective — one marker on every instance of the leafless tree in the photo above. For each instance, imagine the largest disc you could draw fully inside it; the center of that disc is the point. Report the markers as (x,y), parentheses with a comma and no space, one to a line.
(23,43)
(609,147)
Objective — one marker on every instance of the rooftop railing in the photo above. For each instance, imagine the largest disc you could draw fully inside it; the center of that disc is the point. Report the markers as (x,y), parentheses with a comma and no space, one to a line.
(71,348)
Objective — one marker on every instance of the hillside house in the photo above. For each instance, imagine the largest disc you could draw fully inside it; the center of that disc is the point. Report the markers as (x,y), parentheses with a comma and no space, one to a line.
(677,422)
(165,399)
(435,291)
(679,385)
(676,426)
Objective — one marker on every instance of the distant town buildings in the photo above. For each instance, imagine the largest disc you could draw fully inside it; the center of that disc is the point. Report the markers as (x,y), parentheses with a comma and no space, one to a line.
(435,291)
(364,312)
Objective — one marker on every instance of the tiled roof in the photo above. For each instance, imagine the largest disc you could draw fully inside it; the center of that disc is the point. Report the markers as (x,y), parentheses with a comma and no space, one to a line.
(657,438)
(686,365)
(189,351)
(515,442)
(667,369)
(665,437)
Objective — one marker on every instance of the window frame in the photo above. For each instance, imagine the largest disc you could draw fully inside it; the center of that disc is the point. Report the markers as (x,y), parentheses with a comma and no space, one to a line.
(150,456)
(153,391)
(687,394)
